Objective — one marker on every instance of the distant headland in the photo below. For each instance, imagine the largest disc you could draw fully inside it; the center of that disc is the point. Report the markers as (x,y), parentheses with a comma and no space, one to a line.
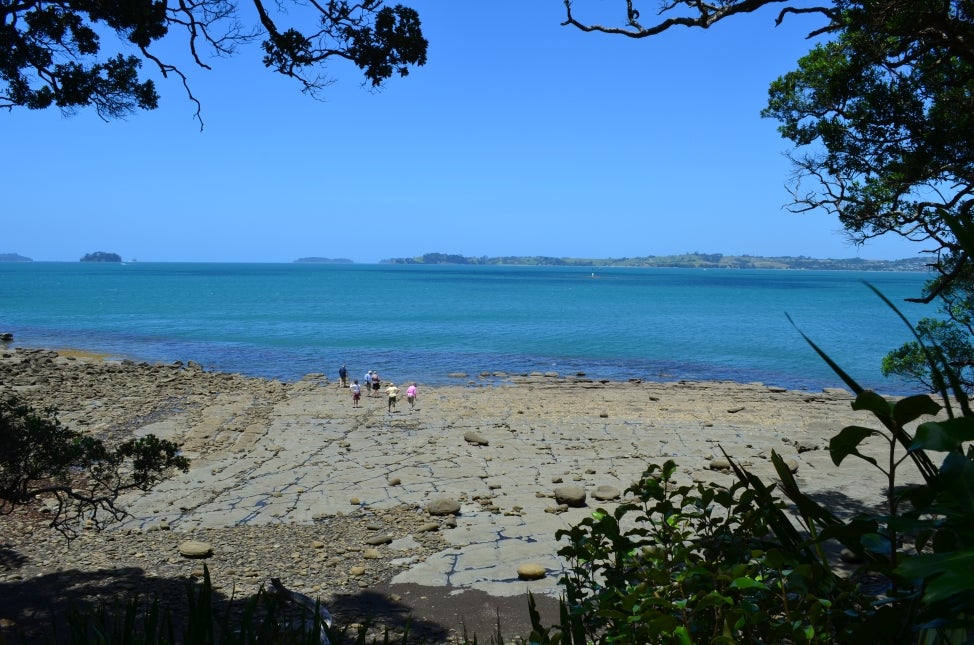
(685,261)
(13,257)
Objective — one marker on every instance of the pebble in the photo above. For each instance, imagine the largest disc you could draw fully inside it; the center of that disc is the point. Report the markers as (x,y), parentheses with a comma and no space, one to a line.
(474,438)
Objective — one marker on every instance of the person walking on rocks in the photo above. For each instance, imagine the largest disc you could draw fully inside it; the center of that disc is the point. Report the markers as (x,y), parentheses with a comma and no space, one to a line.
(411,396)
(356,393)
(375,383)
(343,375)
(393,392)
(367,383)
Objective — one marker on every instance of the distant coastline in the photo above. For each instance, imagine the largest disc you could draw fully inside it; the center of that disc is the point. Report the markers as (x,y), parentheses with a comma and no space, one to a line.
(685,261)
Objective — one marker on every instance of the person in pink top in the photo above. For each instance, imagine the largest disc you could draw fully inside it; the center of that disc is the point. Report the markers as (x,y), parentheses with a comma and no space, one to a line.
(411,395)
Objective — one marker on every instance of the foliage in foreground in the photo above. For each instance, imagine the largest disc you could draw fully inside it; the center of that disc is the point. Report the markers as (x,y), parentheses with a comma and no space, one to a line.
(82,477)
(953,338)
(699,563)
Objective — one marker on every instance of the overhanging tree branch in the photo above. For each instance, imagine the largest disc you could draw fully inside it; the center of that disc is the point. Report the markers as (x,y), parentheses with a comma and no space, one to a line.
(702,15)
(51,52)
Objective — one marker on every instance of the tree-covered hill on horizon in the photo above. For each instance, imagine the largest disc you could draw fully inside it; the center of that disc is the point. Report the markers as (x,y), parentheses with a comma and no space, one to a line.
(101,256)
(317,260)
(14,257)
(685,261)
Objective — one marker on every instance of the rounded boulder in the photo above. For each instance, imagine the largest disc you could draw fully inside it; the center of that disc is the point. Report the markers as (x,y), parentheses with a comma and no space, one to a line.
(195,549)
(443,506)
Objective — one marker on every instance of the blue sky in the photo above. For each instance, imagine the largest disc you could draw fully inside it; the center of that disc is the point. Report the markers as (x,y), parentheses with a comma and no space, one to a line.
(519,137)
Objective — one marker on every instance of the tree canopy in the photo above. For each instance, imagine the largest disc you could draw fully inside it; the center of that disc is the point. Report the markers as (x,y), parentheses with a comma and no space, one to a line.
(881,113)
(52,54)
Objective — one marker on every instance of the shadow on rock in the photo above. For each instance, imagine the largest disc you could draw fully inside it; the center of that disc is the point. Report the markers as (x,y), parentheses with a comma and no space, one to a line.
(10,559)
(468,613)
(37,609)
(842,505)
(383,613)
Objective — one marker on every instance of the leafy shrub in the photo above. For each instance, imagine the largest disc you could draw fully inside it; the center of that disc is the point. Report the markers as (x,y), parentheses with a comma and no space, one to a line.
(695,563)
(43,459)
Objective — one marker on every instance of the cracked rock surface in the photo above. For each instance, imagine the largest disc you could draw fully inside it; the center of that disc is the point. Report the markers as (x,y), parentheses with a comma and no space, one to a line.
(289,480)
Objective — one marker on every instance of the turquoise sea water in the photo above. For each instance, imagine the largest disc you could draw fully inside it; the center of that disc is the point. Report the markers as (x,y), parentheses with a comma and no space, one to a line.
(425,322)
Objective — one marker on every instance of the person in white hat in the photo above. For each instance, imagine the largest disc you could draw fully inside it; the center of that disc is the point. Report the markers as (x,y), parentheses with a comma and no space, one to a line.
(393,392)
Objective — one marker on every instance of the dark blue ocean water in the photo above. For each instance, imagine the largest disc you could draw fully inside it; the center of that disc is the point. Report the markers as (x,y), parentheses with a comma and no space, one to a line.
(424,322)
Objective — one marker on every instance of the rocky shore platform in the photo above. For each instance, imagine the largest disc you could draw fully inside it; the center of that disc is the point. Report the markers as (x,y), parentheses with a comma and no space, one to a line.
(443,515)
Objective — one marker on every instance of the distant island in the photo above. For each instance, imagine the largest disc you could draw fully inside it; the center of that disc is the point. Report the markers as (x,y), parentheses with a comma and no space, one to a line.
(13,257)
(685,261)
(101,256)
(323,261)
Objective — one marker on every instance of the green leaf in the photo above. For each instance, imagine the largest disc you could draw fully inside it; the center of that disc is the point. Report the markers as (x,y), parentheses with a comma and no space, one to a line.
(873,402)
(877,544)
(962,230)
(682,636)
(748,583)
(950,573)
(913,407)
(847,443)
(943,436)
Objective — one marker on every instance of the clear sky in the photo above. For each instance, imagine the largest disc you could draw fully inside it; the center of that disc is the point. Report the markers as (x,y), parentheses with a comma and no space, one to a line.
(518,137)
